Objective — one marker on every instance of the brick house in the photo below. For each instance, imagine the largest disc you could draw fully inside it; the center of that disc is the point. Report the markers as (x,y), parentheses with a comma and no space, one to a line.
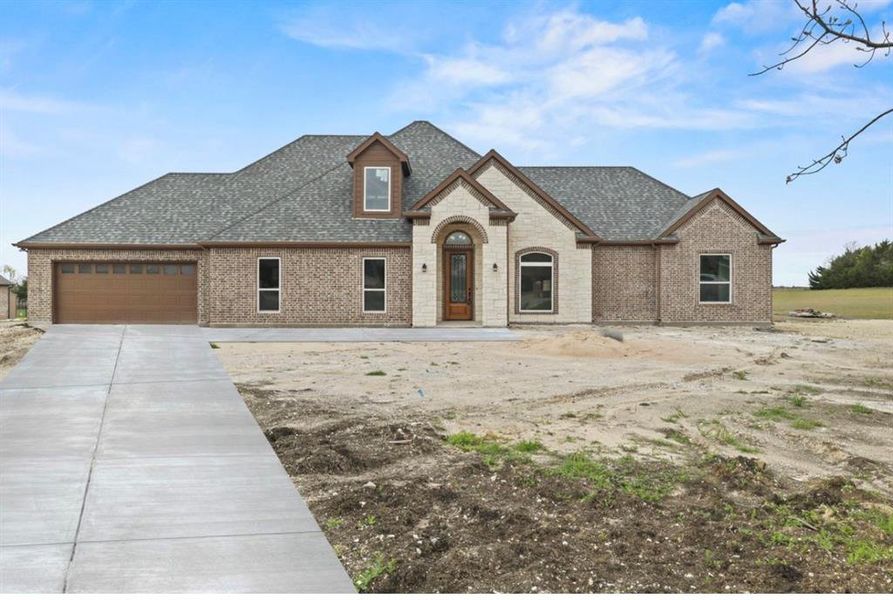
(410,229)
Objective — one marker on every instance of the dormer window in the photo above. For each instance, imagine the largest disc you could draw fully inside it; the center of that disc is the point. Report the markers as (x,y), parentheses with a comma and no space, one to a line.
(376,189)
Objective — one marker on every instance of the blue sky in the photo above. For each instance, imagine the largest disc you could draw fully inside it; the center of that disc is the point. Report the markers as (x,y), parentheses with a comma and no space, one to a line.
(97,98)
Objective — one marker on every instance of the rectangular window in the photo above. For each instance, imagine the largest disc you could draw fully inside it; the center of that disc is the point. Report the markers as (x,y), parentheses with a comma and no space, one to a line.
(153,269)
(716,279)
(67,267)
(374,287)
(85,268)
(170,269)
(102,268)
(267,285)
(119,268)
(136,269)
(377,189)
(187,270)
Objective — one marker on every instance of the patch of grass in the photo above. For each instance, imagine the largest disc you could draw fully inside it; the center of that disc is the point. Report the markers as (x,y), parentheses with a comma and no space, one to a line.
(775,413)
(805,424)
(214,346)
(718,432)
(378,568)
(868,551)
(333,523)
(797,400)
(740,375)
(376,373)
(860,409)
(493,451)
(363,356)
(674,418)
(877,382)
(855,303)
(626,475)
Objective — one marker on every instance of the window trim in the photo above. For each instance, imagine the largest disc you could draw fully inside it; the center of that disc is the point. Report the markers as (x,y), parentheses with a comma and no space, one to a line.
(377,210)
(259,289)
(551,265)
(729,282)
(384,289)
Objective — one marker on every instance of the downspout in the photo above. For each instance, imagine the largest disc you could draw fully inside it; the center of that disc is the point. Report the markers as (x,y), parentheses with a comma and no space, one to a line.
(508,282)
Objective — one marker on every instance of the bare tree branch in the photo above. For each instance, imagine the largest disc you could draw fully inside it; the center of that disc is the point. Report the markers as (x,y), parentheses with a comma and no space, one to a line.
(824,27)
(837,155)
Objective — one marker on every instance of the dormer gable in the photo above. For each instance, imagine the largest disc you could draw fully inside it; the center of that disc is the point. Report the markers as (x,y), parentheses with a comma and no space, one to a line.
(379,168)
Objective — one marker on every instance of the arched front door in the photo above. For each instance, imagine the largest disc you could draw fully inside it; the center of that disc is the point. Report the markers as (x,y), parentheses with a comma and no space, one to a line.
(458,285)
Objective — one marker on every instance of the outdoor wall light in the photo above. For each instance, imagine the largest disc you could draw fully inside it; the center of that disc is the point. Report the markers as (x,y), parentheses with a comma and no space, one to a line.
(424,268)
(495,267)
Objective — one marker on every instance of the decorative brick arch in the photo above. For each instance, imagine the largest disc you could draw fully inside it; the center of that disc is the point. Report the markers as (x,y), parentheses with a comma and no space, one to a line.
(517,266)
(459,219)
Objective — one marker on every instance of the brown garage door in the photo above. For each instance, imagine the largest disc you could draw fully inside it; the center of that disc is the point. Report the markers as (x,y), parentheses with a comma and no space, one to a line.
(91,292)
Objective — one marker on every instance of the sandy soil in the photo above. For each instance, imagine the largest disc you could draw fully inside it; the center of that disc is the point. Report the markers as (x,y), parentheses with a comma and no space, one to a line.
(700,459)
(16,339)
(574,389)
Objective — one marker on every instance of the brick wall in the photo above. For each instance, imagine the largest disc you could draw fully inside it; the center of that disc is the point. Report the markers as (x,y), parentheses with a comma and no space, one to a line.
(624,283)
(40,274)
(538,226)
(716,229)
(6,298)
(319,286)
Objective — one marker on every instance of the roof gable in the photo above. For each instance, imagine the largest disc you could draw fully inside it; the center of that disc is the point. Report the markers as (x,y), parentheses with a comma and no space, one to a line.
(377,138)
(533,189)
(697,203)
(462,176)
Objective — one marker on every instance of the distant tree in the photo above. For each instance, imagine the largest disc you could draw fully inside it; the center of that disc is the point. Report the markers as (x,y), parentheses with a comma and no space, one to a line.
(828,22)
(19,284)
(868,266)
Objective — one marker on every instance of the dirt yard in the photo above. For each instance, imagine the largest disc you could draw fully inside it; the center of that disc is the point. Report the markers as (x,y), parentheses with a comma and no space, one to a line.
(701,459)
(16,339)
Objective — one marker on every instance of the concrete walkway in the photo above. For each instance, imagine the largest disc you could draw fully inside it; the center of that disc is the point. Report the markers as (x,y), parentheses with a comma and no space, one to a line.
(359,334)
(129,463)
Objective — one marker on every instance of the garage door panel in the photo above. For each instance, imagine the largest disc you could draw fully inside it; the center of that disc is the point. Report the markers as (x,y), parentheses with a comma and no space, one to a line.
(125,293)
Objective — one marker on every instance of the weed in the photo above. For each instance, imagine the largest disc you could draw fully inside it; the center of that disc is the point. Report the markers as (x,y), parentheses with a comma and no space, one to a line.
(378,568)
(492,450)
(806,389)
(626,476)
(805,424)
(215,346)
(868,551)
(860,409)
(363,356)
(718,432)
(740,375)
(797,400)
(528,446)
(333,523)
(774,413)
(376,373)
(568,415)
(369,521)
(674,418)
(678,437)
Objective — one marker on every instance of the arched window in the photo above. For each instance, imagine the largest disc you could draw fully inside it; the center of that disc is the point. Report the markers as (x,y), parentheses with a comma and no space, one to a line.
(458,238)
(535,282)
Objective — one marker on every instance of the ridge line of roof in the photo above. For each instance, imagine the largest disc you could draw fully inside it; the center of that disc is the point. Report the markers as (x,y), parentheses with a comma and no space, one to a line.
(435,127)
(276,200)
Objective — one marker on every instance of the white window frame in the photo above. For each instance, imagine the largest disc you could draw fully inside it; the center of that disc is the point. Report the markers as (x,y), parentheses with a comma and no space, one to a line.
(551,265)
(729,283)
(384,289)
(259,289)
(378,210)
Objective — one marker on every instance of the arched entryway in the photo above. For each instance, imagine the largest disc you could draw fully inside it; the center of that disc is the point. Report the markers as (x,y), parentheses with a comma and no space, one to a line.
(458,270)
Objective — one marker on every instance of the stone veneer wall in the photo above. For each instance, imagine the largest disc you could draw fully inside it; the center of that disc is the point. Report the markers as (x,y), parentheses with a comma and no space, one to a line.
(716,229)
(318,286)
(537,226)
(470,214)
(624,283)
(40,273)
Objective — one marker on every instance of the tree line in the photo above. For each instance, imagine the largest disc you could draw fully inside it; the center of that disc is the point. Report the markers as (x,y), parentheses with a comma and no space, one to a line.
(868,266)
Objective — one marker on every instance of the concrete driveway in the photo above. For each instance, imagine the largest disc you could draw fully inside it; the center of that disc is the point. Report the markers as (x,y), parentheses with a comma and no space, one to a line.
(129,463)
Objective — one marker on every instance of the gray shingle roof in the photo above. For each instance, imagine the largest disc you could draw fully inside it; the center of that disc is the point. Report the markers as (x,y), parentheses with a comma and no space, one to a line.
(4,281)
(303,192)
(617,203)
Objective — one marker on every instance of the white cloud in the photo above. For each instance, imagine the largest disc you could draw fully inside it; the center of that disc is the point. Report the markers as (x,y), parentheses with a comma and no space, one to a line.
(348,32)
(708,158)
(711,41)
(754,16)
